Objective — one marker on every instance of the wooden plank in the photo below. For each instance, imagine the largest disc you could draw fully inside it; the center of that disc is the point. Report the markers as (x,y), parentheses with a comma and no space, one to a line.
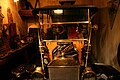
(26,13)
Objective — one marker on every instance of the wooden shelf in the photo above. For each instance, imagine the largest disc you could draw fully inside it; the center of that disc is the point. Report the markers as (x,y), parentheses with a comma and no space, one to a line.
(25,13)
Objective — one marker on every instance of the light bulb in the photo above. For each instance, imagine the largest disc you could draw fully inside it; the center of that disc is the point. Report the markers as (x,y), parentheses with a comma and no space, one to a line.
(16,0)
(58,11)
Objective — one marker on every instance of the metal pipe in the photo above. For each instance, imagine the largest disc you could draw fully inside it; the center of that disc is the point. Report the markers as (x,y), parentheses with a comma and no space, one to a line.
(66,22)
(40,43)
(89,38)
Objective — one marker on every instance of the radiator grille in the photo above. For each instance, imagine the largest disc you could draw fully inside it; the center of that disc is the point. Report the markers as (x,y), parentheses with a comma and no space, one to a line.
(64,73)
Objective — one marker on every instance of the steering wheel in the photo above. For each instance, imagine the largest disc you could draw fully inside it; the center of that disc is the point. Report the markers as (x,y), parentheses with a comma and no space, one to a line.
(59,29)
